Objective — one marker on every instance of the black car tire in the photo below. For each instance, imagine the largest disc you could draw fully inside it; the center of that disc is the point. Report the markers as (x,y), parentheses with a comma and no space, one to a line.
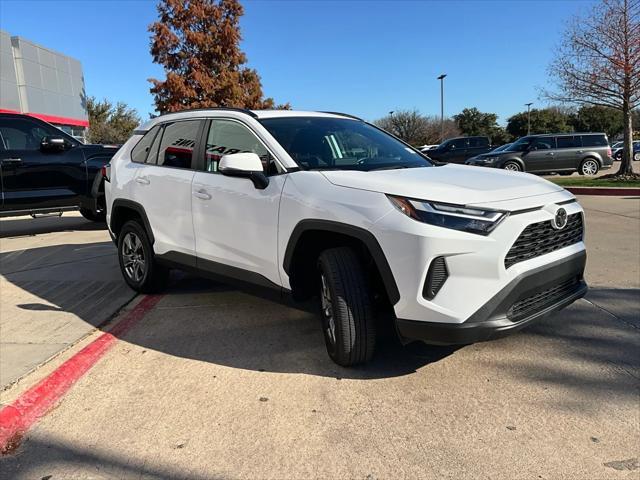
(89,214)
(347,316)
(512,166)
(589,167)
(138,265)
(636,156)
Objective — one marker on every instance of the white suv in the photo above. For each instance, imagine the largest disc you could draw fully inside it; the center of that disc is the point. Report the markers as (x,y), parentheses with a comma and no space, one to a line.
(327,205)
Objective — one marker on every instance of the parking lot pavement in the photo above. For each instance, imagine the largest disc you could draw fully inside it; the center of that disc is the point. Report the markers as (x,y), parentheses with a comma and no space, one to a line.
(59,279)
(215,383)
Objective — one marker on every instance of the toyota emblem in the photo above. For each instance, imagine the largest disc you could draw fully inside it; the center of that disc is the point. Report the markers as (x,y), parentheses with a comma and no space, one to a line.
(560,219)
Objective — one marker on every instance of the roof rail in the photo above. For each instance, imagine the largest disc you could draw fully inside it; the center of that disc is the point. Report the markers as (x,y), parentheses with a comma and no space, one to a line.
(233,109)
(344,115)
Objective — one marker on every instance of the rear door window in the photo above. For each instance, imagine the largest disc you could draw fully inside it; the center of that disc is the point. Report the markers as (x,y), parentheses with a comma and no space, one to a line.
(569,141)
(594,141)
(177,144)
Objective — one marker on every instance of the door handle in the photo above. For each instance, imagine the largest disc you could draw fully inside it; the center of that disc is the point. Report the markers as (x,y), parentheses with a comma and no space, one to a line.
(143,180)
(11,160)
(201,194)
(580,151)
(550,153)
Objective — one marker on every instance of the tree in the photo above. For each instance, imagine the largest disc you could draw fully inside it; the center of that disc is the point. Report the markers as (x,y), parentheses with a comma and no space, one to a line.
(598,63)
(598,119)
(545,120)
(109,123)
(473,122)
(415,128)
(198,44)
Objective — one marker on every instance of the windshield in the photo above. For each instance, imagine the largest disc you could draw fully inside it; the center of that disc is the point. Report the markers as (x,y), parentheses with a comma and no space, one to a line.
(321,143)
(501,148)
(519,145)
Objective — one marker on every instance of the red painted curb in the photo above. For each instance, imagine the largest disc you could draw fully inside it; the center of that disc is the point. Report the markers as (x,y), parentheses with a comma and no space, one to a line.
(613,191)
(19,416)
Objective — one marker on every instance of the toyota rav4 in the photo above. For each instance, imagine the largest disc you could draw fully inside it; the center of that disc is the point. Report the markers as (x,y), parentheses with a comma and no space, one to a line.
(310,204)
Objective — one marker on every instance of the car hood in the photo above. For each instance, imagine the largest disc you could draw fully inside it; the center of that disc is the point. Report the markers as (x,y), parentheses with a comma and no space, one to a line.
(457,184)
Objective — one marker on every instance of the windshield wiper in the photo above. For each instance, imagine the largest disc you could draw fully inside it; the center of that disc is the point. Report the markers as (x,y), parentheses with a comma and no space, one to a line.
(391,167)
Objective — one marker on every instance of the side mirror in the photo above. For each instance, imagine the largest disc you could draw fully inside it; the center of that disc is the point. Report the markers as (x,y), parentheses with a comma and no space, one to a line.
(245,165)
(52,143)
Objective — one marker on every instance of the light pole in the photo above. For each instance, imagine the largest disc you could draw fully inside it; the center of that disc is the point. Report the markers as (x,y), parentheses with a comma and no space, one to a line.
(529,117)
(441,78)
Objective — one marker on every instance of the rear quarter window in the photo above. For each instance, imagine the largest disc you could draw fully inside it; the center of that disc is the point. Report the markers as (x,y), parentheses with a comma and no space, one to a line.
(140,151)
(595,141)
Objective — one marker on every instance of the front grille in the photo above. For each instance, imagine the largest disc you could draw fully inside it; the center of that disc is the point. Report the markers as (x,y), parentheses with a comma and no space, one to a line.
(541,238)
(535,303)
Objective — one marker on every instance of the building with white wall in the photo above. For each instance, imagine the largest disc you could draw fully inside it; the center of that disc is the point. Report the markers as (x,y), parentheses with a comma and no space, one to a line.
(40,82)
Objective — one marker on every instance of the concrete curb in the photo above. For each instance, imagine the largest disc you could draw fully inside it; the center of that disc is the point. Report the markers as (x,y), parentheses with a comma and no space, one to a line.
(17,417)
(612,191)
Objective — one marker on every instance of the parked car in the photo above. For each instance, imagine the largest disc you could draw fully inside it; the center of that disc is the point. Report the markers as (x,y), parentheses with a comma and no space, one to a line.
(489,154)
(45,170)
(617,152)
(307,204)
(586,153)
(458,150)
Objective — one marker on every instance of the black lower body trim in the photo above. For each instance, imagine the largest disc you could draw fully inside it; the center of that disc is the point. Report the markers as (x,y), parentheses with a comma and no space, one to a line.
(493,319)
(243,279)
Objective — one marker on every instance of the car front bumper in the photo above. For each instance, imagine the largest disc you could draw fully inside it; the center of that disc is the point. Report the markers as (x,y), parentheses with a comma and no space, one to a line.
(541,291)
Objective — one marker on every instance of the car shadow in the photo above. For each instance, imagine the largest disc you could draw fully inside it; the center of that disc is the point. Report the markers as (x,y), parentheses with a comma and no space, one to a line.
(27,226)
(211,322)
(208,321)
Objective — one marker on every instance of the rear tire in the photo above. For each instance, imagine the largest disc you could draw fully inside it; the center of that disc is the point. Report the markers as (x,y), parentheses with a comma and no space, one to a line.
(512,166)
(636,156)
(346,308)
(138,265)
(89,214)
(589,167)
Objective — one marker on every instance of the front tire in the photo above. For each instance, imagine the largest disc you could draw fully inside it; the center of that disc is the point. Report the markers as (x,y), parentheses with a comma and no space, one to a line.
(138,265)
(348,323)
(512,167)
(636,156)
(589,167)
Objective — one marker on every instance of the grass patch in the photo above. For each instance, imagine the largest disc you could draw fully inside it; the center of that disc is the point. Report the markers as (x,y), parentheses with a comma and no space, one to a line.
(593,182)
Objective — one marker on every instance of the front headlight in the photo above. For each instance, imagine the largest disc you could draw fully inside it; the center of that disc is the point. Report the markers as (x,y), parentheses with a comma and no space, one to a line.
(458,217)
(489,159)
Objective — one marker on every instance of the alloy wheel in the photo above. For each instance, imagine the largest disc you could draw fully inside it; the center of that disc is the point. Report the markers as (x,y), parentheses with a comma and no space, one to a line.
(133,257)
(328,321)
(512,167)
(590,167)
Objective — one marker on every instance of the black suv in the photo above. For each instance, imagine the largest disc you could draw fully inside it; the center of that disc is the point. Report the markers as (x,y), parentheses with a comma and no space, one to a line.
(459,149)
(42,169)
(562,153)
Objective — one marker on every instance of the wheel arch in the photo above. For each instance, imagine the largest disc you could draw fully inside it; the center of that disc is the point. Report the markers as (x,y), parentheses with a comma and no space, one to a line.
(517,160)
(124,210)
(592,156)
(310,237)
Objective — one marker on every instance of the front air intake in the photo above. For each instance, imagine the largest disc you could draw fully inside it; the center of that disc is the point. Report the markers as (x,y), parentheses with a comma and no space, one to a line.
(436,276)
